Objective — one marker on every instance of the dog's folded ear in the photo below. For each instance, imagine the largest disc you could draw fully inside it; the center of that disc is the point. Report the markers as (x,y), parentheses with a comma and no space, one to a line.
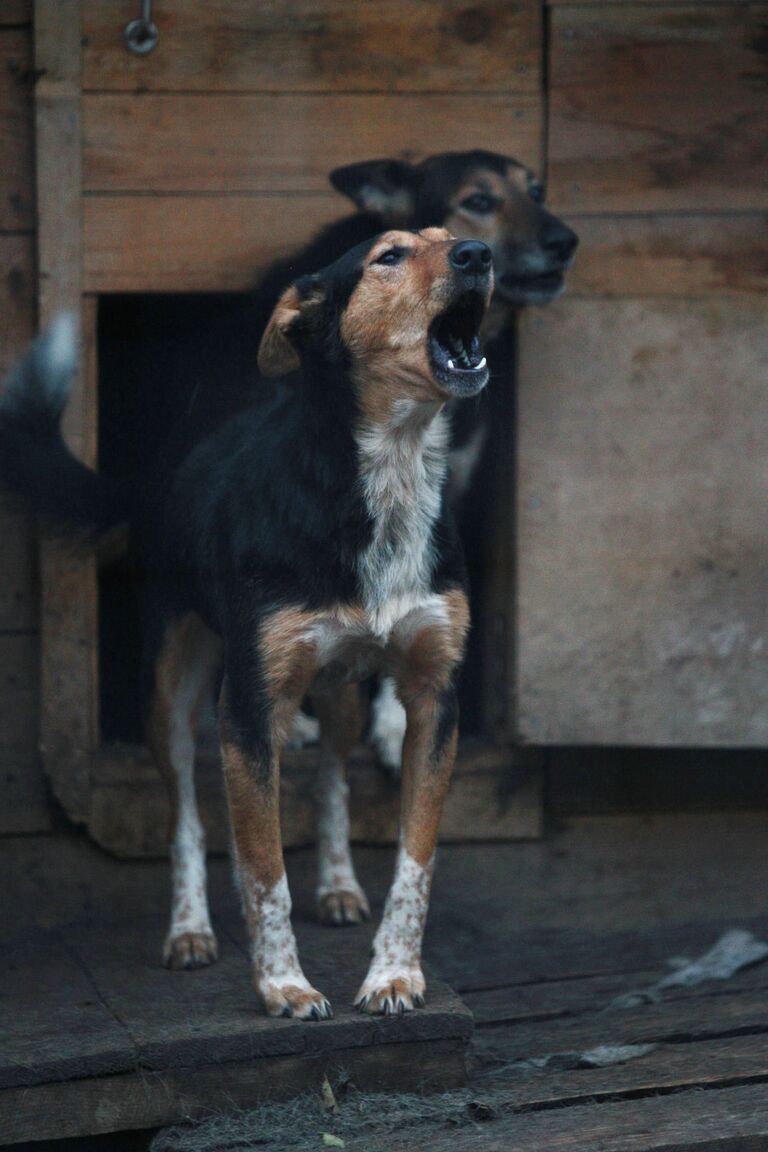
(384,187)
(292,319)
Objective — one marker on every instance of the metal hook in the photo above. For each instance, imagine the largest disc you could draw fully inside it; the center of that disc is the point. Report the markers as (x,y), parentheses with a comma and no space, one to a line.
(141,35)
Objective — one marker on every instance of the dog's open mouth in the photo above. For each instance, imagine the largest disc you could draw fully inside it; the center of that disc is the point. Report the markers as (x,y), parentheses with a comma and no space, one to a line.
(454,346)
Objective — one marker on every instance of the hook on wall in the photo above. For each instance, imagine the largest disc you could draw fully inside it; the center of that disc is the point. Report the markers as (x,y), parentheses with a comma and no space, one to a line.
(141,35)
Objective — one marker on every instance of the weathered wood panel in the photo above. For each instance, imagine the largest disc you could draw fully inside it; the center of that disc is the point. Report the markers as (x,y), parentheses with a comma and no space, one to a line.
(23,798)
(17,206)
(670,255)
(487,801)
(284,143)
(319,45)
(643,556)
(68,613)
(161,243)
(657,108)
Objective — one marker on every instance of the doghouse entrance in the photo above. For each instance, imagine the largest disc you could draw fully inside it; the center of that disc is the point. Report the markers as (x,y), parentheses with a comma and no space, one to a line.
(170,368)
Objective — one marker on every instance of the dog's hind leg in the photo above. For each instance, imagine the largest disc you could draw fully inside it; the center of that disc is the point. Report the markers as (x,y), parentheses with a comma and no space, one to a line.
(388,726)
(431,642)
(183,671)
(265,677)
(340,899)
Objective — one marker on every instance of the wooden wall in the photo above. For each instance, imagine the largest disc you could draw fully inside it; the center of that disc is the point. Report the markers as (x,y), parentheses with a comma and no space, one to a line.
(23,801)
(643,550)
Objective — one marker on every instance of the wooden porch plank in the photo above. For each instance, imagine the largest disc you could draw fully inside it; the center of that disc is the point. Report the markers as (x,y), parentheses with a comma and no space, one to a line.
(319,45)
(286,142)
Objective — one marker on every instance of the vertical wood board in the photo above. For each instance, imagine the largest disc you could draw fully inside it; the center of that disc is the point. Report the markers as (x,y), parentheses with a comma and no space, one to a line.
(643,551)
(17,203)
(658,108)
(318,45)
(68,623)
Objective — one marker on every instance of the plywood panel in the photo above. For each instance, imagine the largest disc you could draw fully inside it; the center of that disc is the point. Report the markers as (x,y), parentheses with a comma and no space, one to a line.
(658,108)
(319,45)
(16,196)
(670,255)
(643,551)
(160,243)
(173,143)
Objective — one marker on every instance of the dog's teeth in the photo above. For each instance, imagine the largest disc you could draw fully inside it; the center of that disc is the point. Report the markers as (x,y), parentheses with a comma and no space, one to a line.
(451,365)
(480,365)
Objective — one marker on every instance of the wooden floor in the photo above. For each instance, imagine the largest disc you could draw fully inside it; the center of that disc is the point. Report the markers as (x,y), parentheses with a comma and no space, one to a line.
(537,938)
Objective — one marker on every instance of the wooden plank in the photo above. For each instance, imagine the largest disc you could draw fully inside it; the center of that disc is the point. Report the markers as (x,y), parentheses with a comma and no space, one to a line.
(319,45)
(642,560)
(53,1022)
(177,1095)
(17,203)
(670,255)
(726,1120)
(284,142)
(487,801)
(69,624)
(633,123)
(155,243)
(24,806)
(154,1046)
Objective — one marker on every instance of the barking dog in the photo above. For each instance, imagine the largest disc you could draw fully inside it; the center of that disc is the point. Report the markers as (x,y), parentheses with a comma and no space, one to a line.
(306,544)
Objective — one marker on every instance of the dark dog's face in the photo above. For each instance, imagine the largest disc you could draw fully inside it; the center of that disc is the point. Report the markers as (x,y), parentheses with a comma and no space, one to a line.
(475,195)
(399,315)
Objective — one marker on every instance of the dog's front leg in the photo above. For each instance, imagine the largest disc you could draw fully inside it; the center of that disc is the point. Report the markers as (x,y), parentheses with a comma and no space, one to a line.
(432,646)
(258,700)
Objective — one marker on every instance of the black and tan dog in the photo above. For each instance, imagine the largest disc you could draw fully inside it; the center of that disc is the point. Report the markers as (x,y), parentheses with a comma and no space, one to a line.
(304,545)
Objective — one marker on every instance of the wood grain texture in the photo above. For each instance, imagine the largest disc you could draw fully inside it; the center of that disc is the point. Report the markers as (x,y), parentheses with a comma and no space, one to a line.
(655,108)
(17,201)
(319,45)
(643,562)
(487,801)
(670,255)
(68,613)
(162,243)
(284,143)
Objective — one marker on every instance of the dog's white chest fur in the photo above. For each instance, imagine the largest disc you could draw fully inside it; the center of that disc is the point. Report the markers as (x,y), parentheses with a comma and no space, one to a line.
(402,470)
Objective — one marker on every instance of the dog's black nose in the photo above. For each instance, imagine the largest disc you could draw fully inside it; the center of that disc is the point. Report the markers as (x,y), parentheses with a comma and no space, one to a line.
(559,242)
(471,256)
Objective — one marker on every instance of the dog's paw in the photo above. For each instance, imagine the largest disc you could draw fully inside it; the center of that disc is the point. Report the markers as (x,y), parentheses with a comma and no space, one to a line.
(388,728)
(298,1000)
(190,950)
(391,993)
(304,730)
(343,906)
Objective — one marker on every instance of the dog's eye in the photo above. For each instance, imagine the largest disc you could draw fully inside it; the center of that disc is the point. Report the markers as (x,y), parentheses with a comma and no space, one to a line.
(391,256)
(536,192)
(479,203)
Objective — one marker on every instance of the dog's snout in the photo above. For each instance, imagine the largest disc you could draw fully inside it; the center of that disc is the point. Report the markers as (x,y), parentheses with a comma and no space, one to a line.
(560,242)
(471,256)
